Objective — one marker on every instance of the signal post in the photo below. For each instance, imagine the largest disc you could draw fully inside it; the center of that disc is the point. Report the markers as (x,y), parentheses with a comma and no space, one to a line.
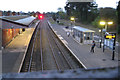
(111,36)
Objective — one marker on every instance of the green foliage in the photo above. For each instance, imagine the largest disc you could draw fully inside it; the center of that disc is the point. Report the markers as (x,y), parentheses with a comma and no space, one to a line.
(107,14)
(60,9)
(118,12)
(61,14)
(61,23)
(95,23)
(84,11)
(88,13)
(118,29)
(54,16)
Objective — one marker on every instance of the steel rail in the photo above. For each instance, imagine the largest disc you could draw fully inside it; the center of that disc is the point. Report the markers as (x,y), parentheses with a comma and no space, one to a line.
(60,50)
(42,66)
(31,57)
(53,54)
(62,53)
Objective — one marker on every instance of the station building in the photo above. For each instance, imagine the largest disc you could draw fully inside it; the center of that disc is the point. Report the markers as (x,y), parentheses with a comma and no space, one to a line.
(11,26)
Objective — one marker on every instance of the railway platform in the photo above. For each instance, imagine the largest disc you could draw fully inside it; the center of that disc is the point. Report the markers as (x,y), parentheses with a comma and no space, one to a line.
(14,53)
(82,51)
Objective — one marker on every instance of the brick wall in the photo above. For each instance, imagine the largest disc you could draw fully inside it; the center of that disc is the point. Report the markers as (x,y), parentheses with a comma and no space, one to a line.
(8,35)
(0,13)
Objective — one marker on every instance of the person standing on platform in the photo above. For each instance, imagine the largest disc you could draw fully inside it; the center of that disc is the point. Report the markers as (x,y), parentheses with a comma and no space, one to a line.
(93,46)
(68,34)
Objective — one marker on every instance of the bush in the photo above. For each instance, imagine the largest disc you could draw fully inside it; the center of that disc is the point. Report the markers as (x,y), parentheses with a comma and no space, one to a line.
(118,29)
(95,22)
(61,23)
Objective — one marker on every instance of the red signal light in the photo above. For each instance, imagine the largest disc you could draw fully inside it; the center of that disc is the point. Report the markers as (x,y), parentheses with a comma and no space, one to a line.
(41,16)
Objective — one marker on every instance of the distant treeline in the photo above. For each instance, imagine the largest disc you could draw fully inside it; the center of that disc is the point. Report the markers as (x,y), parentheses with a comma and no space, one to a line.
(89,13)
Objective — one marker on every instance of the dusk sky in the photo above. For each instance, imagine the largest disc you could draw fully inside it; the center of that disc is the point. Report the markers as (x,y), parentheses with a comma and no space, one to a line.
(44,5)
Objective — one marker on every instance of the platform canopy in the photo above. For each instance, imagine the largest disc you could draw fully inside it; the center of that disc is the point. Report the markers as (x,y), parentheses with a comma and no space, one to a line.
(80,0)
(16,22)
(82,29)
(26,21)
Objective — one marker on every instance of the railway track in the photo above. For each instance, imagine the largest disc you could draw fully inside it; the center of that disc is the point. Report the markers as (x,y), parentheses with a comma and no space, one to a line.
(41,50)
(60,53)
(46,52)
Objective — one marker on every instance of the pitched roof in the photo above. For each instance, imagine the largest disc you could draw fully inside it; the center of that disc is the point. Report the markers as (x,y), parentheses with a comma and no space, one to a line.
(18,21)
(26,21)
(14,18)
(82,29)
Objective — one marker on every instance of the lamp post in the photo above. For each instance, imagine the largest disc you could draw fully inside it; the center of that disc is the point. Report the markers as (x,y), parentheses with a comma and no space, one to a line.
(72,19)
(100,31)
(105,24)
(113,55)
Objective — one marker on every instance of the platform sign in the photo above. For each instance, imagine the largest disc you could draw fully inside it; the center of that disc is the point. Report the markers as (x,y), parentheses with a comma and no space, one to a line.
(80,0)
(108,43)
(110,36)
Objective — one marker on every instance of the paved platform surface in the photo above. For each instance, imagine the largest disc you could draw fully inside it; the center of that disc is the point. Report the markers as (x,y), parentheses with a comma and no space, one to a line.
(82,51)
(14,52)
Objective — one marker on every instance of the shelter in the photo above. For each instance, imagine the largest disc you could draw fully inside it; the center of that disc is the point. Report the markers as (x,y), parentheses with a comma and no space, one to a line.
(83,35)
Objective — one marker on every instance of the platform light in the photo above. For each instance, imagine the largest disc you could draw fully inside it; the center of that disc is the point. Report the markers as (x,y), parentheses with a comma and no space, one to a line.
(72,19)
(110,22)
(106,24)
(102,23)
(100,30)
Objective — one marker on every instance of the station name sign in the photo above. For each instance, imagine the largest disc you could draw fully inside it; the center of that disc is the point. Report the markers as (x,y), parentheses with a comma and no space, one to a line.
(110,36)
(80,0)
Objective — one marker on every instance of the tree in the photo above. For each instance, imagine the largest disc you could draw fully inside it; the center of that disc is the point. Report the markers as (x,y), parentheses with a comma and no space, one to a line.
(106,14)
(67,8)
(54,16)
(81,10)
(118,11)
(60,14)
(60,9)
(109,14)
